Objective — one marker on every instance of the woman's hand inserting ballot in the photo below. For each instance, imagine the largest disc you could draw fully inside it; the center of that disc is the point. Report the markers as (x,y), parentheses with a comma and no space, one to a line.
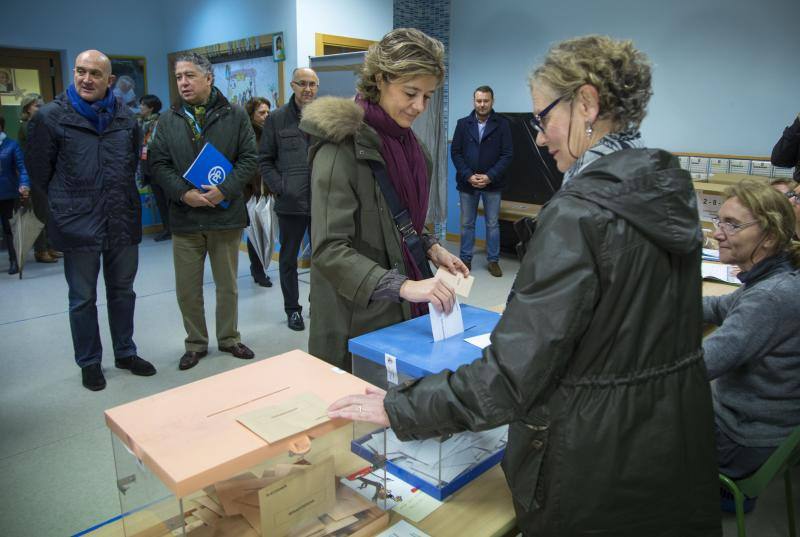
(434,291)
(368,407)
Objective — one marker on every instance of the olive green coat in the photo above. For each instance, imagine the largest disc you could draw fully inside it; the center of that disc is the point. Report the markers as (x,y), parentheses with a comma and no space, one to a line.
(353,237)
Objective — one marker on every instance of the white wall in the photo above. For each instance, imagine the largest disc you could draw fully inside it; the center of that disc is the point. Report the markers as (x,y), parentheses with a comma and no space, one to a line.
(726,72)
(72,27)
(361,19)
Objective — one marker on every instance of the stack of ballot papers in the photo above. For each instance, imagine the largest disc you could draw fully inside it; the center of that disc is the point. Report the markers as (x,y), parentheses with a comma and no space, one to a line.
(286,500)
(719,271)
(438,461)
(710,254)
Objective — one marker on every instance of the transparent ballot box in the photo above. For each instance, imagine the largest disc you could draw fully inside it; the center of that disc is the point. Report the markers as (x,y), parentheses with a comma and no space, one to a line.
(249,452)
(405,351)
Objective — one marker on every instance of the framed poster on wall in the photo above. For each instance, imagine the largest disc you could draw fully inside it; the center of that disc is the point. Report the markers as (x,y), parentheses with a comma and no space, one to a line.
(7,84)
(131,81)
(243,69)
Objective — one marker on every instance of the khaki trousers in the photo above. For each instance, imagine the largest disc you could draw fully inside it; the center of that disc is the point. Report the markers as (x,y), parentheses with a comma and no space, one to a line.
(189,253)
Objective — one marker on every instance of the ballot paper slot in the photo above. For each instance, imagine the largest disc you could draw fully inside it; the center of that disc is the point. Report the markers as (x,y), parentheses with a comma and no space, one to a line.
(438,466)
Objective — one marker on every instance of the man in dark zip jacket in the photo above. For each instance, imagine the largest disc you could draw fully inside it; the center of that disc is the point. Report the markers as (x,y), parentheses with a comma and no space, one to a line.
(208,221)
(81,155)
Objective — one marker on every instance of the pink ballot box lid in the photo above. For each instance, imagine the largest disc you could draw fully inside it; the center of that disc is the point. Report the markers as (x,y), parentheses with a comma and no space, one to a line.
(189,437)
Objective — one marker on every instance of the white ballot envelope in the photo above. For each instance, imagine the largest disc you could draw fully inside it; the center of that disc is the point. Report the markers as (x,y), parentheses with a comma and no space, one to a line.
(446,325)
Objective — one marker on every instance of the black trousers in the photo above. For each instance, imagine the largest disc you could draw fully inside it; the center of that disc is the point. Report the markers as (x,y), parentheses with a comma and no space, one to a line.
(161,203)
(292,230)
(256,266)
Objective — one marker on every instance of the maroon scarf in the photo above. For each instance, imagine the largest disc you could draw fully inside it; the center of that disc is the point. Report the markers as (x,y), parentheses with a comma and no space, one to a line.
(408,173)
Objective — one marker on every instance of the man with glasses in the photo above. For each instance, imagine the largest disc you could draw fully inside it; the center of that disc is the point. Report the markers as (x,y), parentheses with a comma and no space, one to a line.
(81,155)
(481,151)
(283,160)
(790,190)
(206,221)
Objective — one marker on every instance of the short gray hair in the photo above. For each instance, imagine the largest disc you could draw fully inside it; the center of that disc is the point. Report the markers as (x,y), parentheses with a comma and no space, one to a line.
(198,59)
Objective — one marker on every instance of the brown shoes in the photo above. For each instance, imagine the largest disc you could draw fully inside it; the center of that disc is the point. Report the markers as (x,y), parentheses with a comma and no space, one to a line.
(239,351)
(55,253)
(190,359)
(45,257)
(494,269)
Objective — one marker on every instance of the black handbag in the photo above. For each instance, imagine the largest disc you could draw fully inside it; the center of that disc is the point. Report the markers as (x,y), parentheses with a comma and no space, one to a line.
(402,219)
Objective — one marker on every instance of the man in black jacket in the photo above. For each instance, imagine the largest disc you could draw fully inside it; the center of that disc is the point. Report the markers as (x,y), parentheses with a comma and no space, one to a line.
(283,160)
(481,151)
(786,152)
(207,221)
(81,155)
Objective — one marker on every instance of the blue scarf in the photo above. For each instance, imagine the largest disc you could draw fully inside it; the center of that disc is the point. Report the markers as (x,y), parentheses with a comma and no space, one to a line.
(99,113)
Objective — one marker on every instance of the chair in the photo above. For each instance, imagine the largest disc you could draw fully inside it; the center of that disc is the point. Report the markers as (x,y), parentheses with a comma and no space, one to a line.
(781,461)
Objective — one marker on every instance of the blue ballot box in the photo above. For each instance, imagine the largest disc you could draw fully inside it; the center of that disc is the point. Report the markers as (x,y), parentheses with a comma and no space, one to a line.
(441,466)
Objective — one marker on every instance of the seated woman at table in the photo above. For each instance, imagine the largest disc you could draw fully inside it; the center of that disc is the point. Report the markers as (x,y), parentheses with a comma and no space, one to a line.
(596,364)
(755,352)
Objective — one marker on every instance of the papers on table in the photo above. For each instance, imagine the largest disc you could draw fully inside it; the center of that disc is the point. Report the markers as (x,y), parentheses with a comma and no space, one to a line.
(417,505)
(402,529)
(445,325)
(482,341)
(436,461)
(710,254)
(395,495)
(276,422)
(719,271)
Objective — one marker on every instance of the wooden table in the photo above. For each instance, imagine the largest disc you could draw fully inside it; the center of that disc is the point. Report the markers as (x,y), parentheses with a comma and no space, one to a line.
(482,508)
(512,211)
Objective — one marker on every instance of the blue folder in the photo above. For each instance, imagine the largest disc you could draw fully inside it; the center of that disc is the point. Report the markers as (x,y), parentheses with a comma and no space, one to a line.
(209,168)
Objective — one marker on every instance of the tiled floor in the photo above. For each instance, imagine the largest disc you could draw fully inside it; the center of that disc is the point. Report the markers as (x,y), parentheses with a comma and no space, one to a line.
(56,466)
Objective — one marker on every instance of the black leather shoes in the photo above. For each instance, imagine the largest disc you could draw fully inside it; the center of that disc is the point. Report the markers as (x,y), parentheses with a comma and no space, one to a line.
(262,280)
(295,321)
(136,365)
(190,359)
(239,351)
(93,378)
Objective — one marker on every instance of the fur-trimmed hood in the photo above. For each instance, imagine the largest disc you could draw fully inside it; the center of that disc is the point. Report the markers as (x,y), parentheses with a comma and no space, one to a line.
(332,119)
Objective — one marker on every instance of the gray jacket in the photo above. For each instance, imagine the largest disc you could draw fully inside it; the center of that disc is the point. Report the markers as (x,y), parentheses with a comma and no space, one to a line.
(755,354)
(283,160)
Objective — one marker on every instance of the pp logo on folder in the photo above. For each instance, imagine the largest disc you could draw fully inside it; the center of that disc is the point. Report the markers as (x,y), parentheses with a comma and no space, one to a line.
(216,175)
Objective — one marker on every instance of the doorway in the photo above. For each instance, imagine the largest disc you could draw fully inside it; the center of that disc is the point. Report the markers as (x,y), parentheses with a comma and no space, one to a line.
(26,71)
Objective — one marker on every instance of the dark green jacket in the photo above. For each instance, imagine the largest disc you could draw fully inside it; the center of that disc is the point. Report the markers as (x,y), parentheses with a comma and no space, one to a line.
(173,150)
(596,364)
(353,237)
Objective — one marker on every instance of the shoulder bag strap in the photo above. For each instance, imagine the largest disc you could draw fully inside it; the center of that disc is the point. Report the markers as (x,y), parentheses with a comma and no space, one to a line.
(402,219)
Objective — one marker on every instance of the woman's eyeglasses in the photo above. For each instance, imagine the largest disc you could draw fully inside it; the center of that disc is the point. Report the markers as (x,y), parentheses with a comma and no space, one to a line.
(729,228)
(538,121)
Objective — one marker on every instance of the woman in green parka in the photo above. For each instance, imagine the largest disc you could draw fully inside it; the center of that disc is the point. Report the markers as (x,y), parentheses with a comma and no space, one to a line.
(363,276)
(596,364)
